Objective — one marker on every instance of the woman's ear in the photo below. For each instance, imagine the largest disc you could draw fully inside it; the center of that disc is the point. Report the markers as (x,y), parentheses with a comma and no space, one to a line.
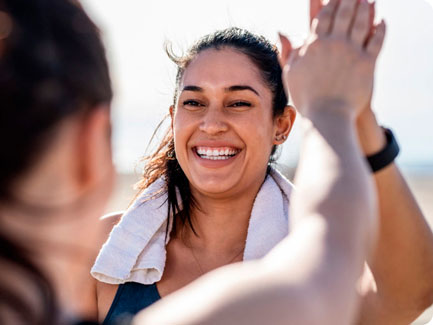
(284,124)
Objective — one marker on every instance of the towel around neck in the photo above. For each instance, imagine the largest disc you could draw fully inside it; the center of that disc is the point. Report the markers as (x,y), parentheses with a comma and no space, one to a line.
(136,248)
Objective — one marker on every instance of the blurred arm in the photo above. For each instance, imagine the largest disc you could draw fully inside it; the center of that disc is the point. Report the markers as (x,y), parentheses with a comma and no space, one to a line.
(310,277)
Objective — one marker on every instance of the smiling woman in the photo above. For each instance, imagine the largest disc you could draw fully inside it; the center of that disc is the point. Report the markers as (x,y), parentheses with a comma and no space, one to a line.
(209,196)
(228,116)
(229,96)
(227,86)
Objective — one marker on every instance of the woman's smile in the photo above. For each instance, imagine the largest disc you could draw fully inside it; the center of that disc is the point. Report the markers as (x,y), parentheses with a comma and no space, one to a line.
(215,156)
(222,153)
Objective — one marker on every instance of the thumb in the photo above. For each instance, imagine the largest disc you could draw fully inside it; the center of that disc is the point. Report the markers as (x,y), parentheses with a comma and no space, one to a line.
(286,50)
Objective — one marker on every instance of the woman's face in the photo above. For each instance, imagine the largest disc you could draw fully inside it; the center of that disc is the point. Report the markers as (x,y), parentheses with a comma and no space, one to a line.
(223,125)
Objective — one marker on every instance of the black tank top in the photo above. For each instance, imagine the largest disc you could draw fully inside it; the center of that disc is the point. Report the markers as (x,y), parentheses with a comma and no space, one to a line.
(131,297)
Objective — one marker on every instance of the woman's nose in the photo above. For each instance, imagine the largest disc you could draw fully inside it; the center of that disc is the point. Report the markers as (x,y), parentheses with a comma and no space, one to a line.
(213,122)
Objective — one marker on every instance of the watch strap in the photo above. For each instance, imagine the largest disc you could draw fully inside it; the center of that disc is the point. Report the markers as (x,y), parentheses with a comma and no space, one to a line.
(387,155)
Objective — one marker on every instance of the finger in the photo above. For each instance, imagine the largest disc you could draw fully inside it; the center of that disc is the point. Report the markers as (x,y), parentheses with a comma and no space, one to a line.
(361,27)
(372,13)
(371,21)
(323,23)
(286,49)
(375,43)
(343,19)
(315,6)
(294,55)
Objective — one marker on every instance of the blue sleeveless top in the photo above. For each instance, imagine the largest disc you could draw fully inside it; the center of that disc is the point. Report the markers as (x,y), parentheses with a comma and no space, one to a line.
(131,297)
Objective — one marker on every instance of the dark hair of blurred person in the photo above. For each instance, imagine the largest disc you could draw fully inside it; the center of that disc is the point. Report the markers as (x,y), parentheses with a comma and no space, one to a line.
(55,92)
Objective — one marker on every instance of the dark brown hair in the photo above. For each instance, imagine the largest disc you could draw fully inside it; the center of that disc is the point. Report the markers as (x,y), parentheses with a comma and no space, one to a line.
(162,162)
(52,66)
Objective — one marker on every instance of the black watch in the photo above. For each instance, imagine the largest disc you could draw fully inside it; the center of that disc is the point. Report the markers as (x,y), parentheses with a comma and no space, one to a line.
(387,155)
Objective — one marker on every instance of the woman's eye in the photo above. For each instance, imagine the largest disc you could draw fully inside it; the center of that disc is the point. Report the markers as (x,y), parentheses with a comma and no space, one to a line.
(240,104)
(191,103)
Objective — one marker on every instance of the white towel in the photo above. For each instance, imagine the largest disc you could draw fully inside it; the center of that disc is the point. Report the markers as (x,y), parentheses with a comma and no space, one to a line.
(135,250)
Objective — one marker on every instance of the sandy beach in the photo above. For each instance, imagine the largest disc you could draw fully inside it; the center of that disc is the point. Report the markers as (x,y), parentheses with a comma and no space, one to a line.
(421,182)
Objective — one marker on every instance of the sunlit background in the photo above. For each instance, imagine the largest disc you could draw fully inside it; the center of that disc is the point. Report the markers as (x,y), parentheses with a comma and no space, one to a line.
(135,32)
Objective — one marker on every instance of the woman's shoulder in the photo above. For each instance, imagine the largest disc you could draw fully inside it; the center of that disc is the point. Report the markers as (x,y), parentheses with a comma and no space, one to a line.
(105,292)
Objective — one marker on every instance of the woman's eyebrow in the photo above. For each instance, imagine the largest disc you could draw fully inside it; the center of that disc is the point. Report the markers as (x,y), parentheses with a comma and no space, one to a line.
(193,88)
(228,89)
(242,87)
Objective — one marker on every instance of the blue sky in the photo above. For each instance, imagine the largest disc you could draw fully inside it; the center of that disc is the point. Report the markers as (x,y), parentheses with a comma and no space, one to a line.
(135,31)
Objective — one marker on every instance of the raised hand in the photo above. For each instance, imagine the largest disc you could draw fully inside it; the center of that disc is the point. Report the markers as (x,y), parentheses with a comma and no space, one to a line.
(336,64)
(315,7)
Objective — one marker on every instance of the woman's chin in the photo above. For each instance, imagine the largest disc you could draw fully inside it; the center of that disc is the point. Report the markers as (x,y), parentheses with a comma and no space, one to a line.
(214,186)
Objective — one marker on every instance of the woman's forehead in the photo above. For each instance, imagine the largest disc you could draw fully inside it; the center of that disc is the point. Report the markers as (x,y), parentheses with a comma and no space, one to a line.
(222,68)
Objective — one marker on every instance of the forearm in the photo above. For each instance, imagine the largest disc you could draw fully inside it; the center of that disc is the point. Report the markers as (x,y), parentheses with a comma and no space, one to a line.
(252,293)
(404,289)
(335,186)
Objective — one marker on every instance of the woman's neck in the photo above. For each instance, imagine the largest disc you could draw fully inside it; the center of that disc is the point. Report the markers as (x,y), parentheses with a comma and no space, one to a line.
(221,224)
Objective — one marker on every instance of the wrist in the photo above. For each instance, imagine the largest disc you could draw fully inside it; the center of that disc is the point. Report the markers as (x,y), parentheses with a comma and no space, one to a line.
(328,122)
(329,111)
(370,134)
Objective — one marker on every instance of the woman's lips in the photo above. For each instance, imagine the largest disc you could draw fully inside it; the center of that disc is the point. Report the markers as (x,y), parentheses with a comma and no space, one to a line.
(216,153)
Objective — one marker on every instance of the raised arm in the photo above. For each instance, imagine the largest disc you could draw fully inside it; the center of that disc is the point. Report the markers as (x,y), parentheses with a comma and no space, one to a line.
(310,277)
(401,295)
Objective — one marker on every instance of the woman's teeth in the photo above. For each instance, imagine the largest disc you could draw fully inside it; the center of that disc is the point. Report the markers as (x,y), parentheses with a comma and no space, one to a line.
(216,153)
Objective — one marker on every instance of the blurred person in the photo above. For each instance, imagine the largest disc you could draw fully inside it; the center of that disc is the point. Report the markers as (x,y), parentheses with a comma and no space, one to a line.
(212,197)
(56,168)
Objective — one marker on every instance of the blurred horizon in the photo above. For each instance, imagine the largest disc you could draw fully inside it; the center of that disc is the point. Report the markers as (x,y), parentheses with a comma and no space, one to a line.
(143,77)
